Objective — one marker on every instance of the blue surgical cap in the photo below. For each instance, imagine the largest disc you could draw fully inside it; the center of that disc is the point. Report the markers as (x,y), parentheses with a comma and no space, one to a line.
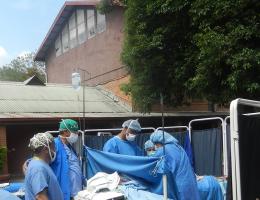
(157,137)
(133,125)
(148,144)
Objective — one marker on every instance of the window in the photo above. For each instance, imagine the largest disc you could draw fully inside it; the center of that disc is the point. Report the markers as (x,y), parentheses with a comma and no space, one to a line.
(73,31)
(65,39)
(81,26)
(101,23)
(91,23)
(58,46)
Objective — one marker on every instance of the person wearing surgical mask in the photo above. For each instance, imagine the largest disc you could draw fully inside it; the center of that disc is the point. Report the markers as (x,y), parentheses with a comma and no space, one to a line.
(149,148)
(178,163)
(40,181)
(66,166)
(124,143)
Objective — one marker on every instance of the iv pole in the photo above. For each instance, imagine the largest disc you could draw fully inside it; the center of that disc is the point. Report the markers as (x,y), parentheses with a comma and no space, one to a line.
(165,192)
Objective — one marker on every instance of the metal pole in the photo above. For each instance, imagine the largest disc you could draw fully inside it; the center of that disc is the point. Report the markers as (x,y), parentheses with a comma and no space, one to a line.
(84,122)
(165,192)
(84,85)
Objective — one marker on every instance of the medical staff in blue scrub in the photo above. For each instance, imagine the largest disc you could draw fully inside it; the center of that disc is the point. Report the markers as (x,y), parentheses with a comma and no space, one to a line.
(40,181)
(149,148)
(124,142)
(178,163)
(7,195)
(66,166)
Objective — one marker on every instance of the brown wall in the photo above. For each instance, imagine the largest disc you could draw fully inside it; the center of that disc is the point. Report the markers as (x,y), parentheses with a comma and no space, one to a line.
(115,88)
(97,55)
(17,143)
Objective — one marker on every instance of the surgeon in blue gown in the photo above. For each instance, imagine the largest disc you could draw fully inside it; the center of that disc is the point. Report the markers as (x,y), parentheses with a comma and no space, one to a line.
(124,142)
(178,164)
(40,181)
(149,148)
(66,166)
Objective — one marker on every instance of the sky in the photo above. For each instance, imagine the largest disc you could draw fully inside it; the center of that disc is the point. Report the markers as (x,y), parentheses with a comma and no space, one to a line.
(24,25)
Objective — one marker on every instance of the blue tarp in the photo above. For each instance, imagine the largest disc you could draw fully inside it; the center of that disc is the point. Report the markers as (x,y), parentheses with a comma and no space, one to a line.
(147,171)
(210,189)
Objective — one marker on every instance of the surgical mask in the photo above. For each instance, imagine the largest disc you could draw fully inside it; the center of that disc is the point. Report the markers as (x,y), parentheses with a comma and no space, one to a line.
(72,138)
(130,137)
(156,148)
(150,153)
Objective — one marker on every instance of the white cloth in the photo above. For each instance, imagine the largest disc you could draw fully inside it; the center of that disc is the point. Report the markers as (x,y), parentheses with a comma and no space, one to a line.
(100,182)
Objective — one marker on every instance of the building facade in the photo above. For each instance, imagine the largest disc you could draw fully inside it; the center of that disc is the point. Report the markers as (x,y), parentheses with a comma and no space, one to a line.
(81,37)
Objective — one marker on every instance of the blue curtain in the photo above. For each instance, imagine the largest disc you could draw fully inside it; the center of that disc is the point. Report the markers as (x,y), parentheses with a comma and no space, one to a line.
(207,149)
(205,154)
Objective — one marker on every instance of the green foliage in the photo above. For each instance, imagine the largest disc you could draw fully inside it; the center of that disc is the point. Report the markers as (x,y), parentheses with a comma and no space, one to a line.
(104,6)
(156,51)
(126,88)
(187,49)
(228,41)
(3,152)
(21,68)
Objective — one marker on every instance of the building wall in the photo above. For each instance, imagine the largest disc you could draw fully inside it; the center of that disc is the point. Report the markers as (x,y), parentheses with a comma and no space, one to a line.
(115,88)
(18,136)
(97,55)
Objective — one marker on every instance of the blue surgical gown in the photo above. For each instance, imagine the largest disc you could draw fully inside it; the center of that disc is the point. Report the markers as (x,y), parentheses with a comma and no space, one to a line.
(119,146)
(209,188)
(75,174)
(39,176)
(60,167)
(5,195)
(179,165)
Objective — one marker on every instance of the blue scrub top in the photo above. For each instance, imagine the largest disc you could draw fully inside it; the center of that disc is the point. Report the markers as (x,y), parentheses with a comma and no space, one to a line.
(75,174)
(7,195)
(39,176)
(178,163)
(119,146)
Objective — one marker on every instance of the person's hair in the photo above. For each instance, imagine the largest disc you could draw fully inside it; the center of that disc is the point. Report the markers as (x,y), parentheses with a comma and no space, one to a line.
(39,141)
(61,132)
(38,150)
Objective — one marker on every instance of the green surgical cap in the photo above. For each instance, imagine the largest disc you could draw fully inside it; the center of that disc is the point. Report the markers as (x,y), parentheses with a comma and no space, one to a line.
(68,124)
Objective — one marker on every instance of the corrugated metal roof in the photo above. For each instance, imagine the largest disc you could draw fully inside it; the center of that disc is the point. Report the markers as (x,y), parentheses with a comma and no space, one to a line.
(19,99)
(105,115)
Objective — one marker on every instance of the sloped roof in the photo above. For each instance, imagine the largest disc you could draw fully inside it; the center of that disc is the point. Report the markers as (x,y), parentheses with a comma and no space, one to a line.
(34,80)
(58,23)
(17,99)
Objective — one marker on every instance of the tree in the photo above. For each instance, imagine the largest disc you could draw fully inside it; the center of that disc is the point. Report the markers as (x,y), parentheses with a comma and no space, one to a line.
(186,49)
(227,63)
(158,51)
(21,68)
